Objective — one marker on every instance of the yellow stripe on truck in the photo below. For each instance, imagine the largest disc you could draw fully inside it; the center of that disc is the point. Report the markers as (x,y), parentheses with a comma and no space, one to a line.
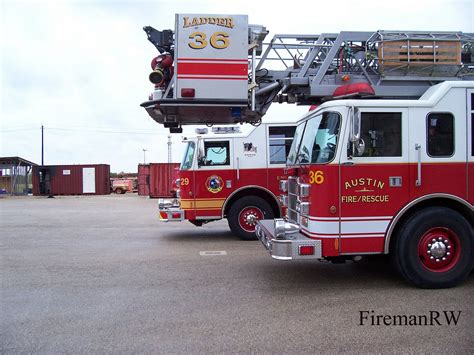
(203,203)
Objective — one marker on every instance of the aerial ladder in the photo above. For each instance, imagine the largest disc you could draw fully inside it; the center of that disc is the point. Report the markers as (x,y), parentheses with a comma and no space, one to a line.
(217,69)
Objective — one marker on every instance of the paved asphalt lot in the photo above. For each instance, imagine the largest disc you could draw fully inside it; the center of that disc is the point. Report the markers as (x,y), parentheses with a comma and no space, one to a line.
(102,274)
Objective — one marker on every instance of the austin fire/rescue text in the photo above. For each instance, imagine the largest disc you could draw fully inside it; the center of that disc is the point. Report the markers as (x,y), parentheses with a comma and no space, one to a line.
(364,198)
(432,318)
(364,182)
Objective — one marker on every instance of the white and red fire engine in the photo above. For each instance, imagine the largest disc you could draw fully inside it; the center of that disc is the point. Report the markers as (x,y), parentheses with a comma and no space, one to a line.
(383,177)
(233,175)
(383,165)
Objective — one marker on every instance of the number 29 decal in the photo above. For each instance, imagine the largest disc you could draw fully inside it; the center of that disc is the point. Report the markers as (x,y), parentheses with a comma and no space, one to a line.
(316,177)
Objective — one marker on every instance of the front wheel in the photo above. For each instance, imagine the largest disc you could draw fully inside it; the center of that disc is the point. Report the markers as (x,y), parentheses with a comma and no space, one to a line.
(244,214)
(434,248)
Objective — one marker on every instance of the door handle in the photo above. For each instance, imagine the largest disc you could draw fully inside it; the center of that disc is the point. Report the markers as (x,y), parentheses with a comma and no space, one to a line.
(238,168)
(418,178)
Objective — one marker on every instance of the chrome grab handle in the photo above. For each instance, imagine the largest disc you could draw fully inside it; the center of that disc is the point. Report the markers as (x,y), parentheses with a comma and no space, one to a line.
(254,83)
(238,168)
(418,179)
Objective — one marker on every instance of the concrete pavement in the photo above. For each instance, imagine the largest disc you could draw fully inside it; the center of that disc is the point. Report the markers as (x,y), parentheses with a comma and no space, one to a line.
(101,274)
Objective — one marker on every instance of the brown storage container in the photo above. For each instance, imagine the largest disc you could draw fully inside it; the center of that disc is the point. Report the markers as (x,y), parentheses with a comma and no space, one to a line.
(162,179)
(93,179)
(143,180)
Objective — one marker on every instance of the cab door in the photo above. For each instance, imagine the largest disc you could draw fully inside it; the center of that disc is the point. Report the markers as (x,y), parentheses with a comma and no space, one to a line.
(374,180)
(279,143)
(186,180)
(213,178)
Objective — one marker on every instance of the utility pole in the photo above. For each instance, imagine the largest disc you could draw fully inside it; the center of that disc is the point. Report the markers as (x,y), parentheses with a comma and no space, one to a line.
(42,145)
(144,160)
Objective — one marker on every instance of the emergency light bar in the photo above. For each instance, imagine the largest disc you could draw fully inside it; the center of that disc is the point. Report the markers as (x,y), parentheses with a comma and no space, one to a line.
(226,130)
(201,131)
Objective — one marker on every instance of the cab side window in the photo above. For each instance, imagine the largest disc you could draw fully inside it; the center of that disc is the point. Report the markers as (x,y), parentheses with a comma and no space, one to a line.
(216,153)
(440,134)
(280,139)
(382,134)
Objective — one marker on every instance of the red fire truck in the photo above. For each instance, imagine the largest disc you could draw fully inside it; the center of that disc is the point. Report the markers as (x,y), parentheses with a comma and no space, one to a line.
(233,175)
(383,177)
(383,165)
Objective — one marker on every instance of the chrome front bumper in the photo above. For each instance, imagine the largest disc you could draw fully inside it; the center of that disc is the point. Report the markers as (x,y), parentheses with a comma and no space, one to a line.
(170,211)
(288,247)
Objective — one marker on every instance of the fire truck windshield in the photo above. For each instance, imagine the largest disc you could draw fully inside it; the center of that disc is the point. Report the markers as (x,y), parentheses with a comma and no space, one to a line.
(188,156)
(295,144)
(317,144)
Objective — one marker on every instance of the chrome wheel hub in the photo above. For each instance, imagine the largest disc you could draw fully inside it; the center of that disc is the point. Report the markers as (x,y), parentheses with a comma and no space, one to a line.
(438,249)
(250,219)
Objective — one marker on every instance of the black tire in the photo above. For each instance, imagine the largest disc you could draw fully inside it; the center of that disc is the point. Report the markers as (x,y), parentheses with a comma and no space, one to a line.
(417,259)
(248,206)
(118,191)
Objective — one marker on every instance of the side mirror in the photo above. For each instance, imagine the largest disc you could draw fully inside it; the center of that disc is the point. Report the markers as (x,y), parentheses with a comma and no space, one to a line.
(355,118)
(201,158)
(201,161)
(359,147)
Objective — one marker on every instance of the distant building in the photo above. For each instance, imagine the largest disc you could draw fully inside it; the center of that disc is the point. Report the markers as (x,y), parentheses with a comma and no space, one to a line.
(14,175)
(90,179)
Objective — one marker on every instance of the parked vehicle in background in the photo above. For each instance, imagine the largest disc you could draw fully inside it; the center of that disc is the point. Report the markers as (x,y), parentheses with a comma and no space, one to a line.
(123,185)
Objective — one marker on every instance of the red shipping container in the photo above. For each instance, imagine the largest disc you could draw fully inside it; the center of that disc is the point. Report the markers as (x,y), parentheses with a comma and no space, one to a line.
(93,179)
(144,180)
(163,179)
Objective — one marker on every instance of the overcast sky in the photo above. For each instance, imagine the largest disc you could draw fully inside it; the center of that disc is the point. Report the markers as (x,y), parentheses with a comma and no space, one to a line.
(80,68)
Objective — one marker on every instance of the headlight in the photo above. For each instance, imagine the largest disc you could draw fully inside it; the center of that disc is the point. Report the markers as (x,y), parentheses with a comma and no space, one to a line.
(304,190)
(161,203)
(283,200)
(302,207)
(283,185)
(177,181)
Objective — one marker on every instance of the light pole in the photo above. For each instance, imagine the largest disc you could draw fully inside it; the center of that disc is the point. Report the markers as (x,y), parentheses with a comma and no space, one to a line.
(144,160)
(42,145)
